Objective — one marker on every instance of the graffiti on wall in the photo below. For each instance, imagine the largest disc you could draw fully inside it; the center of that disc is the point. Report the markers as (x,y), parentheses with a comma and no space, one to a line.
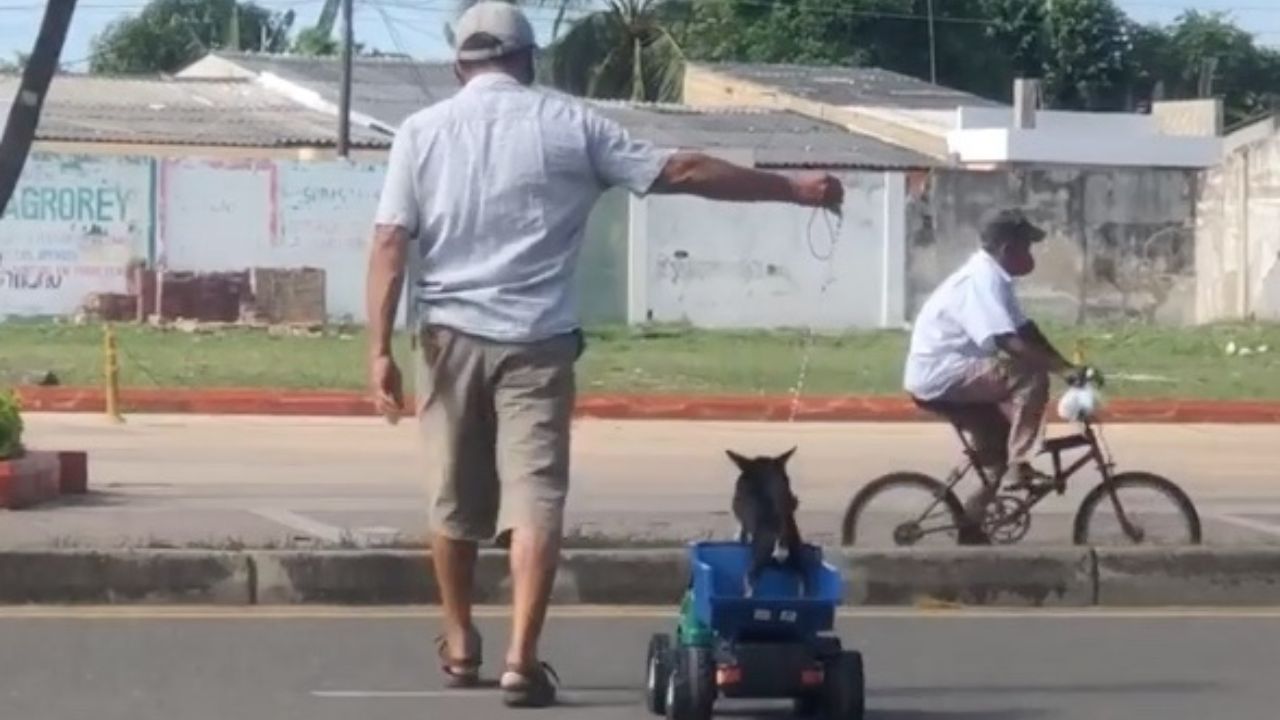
(70,230)
(328,206)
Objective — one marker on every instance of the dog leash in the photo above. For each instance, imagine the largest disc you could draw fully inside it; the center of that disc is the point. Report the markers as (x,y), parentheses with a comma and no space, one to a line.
(833,238)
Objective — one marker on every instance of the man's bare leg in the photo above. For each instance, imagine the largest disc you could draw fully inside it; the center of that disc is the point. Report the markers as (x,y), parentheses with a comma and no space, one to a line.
(535,553)
(455,563)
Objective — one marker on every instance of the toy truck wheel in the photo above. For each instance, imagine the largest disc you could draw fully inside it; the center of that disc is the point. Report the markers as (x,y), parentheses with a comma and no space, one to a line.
(691,692)
(843,688)
(657,673)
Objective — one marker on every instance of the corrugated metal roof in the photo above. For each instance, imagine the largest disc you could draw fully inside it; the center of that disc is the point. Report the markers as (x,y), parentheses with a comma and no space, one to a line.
(778,138)
(836,85)
(391,89)
(388,89)
(181,112)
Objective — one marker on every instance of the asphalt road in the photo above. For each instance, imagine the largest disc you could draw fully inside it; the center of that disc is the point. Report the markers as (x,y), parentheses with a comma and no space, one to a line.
(191,480)
(317,664)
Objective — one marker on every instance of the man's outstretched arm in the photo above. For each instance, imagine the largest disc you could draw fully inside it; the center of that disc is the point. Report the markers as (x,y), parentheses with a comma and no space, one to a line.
(691,173)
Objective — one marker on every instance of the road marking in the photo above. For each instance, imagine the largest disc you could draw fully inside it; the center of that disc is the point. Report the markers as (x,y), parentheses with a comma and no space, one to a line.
(1248,523)
(589,612)
(302,523)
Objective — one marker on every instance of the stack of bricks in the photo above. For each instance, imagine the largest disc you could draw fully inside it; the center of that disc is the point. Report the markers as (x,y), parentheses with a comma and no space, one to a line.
(206,297)
(288,296)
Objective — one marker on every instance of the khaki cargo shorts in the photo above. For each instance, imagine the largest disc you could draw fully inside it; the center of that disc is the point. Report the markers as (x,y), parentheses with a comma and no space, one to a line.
(495,418)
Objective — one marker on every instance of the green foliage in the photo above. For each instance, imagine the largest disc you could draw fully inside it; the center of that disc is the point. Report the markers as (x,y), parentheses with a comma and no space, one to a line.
(1208,55)
(1087,43)
(316,41)
(170,34)
(1089,54)
(626,51)
(10,425)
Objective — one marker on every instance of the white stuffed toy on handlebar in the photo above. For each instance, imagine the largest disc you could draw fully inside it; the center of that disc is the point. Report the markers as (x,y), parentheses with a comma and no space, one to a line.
(1083,399)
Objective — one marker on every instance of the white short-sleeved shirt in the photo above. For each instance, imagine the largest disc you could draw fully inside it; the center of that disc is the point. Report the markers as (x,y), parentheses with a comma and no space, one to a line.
(495,184)
(958,326)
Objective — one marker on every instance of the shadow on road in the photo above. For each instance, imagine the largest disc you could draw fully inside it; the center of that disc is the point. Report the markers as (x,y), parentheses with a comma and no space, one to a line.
(94,498)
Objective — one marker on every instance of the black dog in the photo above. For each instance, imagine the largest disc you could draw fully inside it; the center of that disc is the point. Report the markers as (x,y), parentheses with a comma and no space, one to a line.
(766,511)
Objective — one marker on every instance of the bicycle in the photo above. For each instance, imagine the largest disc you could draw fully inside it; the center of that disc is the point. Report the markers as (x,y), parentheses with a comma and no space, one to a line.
(1113,504)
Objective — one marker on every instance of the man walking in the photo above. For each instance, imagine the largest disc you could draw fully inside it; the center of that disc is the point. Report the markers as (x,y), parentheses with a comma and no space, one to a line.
(494,186)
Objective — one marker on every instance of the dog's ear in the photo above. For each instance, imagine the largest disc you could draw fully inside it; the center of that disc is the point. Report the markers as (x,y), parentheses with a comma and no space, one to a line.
(738,460)
(786,456)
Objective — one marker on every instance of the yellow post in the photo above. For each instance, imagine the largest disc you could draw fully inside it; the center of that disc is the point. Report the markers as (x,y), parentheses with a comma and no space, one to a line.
(1077,355)
(111,373)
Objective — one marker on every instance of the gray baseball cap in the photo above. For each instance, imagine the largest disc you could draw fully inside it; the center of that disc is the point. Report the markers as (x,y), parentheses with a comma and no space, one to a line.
(502,21)
(1008,224)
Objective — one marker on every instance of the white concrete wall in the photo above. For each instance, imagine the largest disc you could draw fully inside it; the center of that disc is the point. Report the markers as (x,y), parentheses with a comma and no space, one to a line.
(272,214)
(71,228)
(76,221)
(722,265)
(987,135)
(1238,236)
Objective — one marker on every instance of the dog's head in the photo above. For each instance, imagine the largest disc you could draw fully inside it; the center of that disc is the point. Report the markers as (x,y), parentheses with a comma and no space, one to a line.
(768,478)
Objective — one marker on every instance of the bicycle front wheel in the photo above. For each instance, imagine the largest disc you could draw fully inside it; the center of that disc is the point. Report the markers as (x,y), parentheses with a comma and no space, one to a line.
(1145,509)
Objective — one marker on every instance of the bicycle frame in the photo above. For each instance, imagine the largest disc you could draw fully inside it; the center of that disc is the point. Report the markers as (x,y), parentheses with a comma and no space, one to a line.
(1098,455)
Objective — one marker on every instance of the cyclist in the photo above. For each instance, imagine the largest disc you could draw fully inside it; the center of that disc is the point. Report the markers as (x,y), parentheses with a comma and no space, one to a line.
(977,360)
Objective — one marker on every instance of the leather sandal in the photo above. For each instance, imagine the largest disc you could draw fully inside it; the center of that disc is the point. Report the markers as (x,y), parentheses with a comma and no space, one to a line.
(460,671)
(533,687)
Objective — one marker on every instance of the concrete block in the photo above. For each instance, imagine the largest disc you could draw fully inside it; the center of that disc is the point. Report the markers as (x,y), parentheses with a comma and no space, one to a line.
(1009,577)
(1188,576)
(29,480)
(73,472)
(124,577)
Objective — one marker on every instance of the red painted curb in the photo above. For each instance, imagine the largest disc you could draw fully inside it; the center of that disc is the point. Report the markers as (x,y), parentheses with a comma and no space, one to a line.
(613,406)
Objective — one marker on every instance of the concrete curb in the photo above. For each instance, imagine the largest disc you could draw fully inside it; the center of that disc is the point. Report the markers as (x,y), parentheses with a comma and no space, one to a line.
(1051,577)
(126,577)
(1189,576)
(980,576)
(762,408)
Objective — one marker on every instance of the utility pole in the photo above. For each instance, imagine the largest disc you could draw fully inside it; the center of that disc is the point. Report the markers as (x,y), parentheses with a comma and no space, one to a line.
(344,94)
(933,49)
(24,115)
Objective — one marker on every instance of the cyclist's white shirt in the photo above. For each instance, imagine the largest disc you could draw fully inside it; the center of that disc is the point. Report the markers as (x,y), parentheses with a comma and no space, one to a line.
(958,325)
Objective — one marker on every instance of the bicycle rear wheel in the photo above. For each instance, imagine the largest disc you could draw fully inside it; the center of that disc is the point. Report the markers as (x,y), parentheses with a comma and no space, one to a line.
(902,509)
(1157,510)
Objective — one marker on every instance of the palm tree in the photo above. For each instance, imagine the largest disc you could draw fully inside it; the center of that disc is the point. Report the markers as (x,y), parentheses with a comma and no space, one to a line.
(624,51)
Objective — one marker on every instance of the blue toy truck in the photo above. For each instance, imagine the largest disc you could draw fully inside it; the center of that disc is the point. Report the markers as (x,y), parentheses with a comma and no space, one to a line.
(777,643)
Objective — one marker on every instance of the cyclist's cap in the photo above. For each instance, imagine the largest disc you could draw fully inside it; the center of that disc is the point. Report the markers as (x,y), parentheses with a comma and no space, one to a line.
(490,30)
(1007,225)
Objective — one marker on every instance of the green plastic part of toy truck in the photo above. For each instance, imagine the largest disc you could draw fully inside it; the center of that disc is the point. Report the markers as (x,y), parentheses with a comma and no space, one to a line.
(691,632)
